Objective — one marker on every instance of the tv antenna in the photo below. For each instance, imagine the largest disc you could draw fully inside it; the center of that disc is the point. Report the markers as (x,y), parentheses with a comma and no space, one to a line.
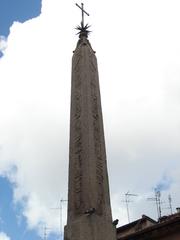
(45,232)
(60,208)
(170,203)
(127,201)
(157,200)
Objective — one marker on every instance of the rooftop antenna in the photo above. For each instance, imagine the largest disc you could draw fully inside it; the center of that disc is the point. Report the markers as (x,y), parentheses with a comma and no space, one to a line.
(170,203)
(61,214)
(127,201)
(157,200)
(45,232)
(60,208)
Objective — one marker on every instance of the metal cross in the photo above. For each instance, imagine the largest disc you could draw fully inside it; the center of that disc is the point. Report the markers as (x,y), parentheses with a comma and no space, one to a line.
(83,11)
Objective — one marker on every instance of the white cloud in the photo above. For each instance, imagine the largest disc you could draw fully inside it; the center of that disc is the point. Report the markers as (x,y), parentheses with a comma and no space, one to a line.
(3,236)
(138,52)
(3,44)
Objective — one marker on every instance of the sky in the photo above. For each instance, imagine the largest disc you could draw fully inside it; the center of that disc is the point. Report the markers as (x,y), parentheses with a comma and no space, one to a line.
(137,44)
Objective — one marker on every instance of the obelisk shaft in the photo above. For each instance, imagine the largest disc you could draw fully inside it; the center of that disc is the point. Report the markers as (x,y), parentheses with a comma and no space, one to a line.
(88,194)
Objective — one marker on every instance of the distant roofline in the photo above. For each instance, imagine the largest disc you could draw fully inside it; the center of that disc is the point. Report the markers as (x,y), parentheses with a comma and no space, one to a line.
(174,222)
(129,225)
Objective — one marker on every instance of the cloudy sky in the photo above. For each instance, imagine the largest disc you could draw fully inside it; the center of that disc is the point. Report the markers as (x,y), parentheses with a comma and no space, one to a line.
(137,43)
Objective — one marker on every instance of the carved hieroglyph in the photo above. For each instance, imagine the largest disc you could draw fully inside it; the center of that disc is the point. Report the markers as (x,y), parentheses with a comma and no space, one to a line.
(88,179)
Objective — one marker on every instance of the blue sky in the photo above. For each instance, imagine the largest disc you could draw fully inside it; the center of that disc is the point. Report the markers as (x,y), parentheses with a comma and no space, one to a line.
(10,213)
(12,221)
(140,98)
(17,10)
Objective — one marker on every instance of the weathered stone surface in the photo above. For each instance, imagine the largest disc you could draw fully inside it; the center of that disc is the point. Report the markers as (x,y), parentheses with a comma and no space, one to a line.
(89,211)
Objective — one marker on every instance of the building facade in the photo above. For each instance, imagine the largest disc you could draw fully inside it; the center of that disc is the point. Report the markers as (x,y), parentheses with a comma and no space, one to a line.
(167,228)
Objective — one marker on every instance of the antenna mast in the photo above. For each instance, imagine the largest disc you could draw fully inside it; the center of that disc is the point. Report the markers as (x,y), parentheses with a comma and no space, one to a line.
(45,232)
(170,203)
(127,201)
(60,208)
(61,215)
(157,199)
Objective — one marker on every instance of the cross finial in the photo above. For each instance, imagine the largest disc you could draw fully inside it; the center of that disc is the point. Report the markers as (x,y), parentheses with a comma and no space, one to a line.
(83,11)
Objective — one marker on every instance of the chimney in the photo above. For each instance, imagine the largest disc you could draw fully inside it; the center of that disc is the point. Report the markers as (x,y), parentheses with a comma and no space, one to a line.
(178,209)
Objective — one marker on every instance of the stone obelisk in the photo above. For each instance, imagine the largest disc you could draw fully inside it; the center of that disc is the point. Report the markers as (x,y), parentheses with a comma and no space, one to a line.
(89,210)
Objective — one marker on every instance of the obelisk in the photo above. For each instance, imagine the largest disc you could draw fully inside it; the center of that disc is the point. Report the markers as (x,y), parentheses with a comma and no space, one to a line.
(89,211)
